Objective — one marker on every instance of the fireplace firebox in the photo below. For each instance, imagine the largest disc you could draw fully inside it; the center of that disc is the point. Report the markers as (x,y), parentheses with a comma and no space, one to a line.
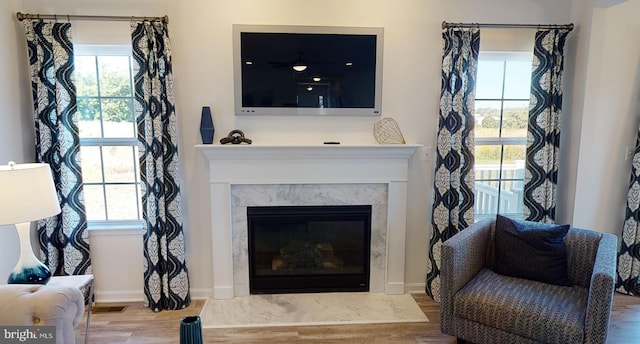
(300,249)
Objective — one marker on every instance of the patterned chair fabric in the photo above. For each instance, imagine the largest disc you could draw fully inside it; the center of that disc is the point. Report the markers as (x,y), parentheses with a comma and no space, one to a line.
(481,306)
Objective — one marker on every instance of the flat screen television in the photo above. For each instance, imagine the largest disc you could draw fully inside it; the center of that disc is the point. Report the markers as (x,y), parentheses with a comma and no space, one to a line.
(307,70)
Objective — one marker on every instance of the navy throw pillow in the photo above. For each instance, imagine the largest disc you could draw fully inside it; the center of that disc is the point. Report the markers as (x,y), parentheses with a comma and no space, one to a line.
(531,250)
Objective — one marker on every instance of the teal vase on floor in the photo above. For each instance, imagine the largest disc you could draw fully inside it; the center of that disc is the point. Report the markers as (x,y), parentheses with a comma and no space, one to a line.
(191,330)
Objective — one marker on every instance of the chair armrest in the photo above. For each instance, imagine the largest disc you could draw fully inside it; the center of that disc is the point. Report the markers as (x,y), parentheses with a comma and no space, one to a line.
(28,304)
(462,257)
(59,303)
(601,289)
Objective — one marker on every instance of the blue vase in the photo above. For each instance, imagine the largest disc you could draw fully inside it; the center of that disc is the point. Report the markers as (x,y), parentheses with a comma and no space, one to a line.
(206,125)
(191,330)
(28,270)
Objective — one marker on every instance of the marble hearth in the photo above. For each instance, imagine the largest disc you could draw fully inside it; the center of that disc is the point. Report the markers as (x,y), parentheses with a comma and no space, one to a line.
(258,175)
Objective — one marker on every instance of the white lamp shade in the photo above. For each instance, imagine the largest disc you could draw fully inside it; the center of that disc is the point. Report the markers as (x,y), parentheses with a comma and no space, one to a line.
(27,193)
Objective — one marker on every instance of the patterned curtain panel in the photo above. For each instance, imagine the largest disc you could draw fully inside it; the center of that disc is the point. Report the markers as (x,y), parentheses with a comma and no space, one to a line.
(63,238)
(454,178)
(543,137)
(629,255)
(166,280)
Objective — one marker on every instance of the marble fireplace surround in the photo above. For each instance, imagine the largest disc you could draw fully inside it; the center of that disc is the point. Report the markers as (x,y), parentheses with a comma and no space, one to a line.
(258,175)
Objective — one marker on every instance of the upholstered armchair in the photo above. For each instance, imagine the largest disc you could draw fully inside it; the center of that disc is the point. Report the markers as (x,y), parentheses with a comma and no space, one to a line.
(482,306)
(29,305)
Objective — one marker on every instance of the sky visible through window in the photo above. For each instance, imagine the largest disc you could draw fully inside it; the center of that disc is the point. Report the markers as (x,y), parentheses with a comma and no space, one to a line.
(516,76)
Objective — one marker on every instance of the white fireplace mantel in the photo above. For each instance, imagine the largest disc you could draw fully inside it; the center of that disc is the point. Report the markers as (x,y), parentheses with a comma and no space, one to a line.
(306,164)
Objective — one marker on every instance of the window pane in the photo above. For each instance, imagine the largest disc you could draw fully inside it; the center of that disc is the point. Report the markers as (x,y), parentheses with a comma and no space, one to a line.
(499,191)
(118,118)
(486,198)
(515,118)
(487,116)
(91,164)
(511,201)
(94,202)
(486,185)
(488,173)
(118,164)
(139,189)
(89,117)
(122,202)
(514,156)
(489,79)
(114,76)
(88,109)
(487,154)
(517,80)
(85,74)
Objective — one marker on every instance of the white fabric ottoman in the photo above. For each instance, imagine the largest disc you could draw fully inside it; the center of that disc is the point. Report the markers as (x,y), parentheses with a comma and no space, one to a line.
(29,304)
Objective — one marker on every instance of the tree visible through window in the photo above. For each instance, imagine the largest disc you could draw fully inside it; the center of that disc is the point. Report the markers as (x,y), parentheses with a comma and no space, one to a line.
(501,113)
(109,152)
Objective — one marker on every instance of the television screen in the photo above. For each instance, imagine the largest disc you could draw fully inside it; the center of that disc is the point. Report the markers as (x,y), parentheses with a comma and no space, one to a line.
(284,70)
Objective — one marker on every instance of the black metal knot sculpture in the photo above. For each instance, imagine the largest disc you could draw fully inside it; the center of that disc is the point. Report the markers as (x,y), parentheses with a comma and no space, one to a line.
(235,137)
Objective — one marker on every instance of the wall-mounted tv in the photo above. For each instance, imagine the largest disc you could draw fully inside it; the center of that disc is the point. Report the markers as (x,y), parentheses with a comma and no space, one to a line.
(307,70)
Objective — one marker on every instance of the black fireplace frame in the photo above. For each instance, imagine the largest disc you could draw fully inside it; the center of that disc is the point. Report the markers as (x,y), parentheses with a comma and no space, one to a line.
(358,282)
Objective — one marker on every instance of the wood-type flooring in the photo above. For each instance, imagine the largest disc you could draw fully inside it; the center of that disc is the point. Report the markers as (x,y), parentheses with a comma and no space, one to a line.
(138,324)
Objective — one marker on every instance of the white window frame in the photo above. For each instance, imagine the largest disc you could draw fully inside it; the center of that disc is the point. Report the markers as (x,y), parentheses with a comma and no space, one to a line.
(112,225)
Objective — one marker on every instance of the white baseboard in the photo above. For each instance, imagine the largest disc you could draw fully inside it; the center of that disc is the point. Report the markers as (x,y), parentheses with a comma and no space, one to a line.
(204,293)
(138,295)
(119,296)
(414,287)
(394,288)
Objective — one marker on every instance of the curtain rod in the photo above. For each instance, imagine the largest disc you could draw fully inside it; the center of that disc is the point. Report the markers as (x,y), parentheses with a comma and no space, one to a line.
(569,27)
(23,16)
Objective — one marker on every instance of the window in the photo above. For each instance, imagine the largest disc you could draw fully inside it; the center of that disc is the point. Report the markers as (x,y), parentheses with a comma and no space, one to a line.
(501,114)
(108,143)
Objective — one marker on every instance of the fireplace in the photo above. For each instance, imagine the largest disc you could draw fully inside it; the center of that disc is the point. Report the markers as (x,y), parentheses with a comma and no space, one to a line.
(242,176)
(309,248)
